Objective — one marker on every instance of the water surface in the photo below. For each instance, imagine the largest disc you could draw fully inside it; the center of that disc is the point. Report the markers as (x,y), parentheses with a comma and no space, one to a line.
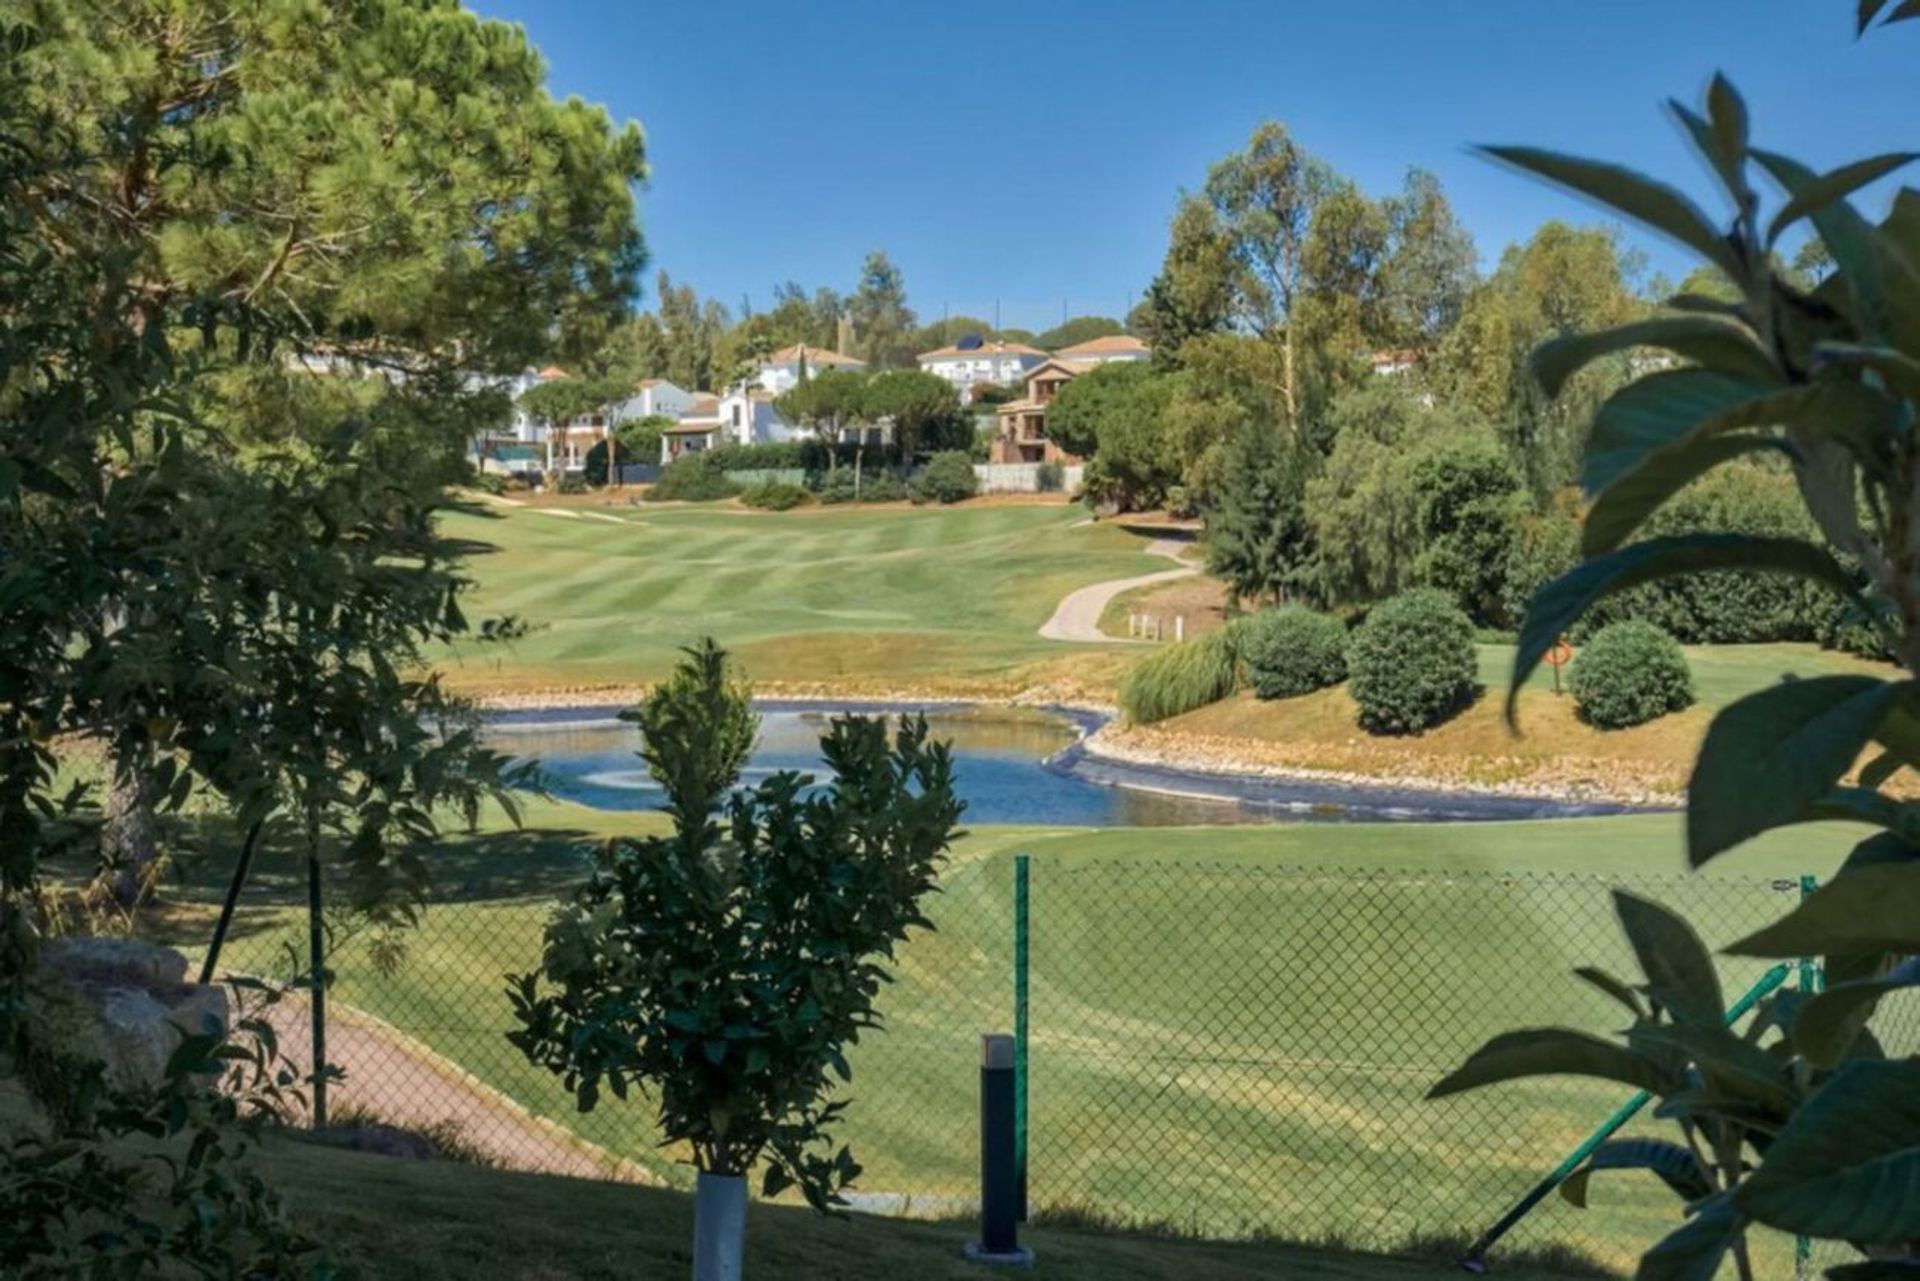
(1012,765)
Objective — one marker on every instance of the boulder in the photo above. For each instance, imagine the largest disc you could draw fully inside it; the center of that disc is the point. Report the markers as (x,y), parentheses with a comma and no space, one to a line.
(135,997)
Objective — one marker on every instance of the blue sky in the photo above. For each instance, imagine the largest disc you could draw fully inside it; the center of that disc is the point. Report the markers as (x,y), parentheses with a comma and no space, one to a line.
(1031,153)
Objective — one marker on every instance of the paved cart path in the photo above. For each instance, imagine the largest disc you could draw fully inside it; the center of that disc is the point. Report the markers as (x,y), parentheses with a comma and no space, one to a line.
(396,1078)
(1077,617)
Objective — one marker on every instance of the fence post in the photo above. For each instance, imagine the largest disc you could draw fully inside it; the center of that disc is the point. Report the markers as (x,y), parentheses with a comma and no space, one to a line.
(1809,984)
(1022,956)
(317,1005)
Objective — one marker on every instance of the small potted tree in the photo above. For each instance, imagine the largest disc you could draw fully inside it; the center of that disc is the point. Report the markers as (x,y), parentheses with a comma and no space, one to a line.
(727,967)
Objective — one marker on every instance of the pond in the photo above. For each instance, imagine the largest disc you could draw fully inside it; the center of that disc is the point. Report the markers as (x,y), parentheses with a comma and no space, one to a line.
(1012,765)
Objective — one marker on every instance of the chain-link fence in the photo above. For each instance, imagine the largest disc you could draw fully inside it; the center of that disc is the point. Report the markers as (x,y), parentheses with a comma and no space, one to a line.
(1223,1048)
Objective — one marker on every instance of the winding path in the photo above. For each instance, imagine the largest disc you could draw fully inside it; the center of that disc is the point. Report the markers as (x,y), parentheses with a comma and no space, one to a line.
(1077,616)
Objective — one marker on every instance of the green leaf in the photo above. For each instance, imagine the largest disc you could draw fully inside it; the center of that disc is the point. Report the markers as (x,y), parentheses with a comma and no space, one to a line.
(1829,1022)
(1655,411)
(1882,282)
(1679,969)
(1676,1166)
(1614,988)
(1531,1052)
(1868,10)
(1877,1270)
(1848,1164)
(1840,183)
(1715,344)
(1768,757)
(1733,1069)
(1684,406)
(1902,372)
(1651,203)
(1626,504)
(1875,908)
(1561,602)
(1695,1250)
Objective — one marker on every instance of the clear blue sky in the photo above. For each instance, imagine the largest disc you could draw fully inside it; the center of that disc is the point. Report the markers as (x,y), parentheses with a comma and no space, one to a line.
(1033,152)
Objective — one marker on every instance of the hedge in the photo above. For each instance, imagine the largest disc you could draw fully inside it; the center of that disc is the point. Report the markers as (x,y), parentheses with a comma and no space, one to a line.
(1412,662)
(692,478)
(1628,674)
(1293,650)
(774,495)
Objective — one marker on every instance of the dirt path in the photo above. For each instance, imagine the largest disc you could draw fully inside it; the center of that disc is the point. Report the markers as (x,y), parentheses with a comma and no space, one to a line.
(1077,617)
(395,1078)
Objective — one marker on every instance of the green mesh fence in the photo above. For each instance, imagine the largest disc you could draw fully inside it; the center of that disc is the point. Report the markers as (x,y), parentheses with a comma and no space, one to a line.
(1224,1048)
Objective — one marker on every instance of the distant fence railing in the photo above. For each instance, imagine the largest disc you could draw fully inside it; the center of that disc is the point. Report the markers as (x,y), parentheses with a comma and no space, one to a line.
(768,475)
(1228,1048)
(1026,478)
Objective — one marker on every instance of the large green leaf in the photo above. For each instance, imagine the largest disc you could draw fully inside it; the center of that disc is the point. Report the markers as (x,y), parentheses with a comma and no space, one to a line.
(1715,344)
(1902,372)
(1561,602)
(1734,1069)
(1722,136)
(1768,757)
(1829,1022)
(1655,411)
(1626,504)
(1641,198)
(1679,969)
(1550,1051)
(1694,1250)
(1811,197)
(1685,406)
(1881,277)
(1875,908)
(1848,1164)
(1674,1164)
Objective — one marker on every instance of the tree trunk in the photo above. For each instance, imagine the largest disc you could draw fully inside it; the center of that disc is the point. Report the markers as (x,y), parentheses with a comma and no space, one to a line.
(129,838)
(1286,356)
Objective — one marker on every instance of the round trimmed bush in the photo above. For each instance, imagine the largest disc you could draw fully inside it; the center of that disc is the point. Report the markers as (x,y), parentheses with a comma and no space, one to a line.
(1628,674)
(1293,650)
(1412,662)
(947,478)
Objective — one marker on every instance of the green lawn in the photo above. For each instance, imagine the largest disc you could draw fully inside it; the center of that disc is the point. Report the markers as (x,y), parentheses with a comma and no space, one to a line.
(395,1220)
(932,595)
(1231,1027)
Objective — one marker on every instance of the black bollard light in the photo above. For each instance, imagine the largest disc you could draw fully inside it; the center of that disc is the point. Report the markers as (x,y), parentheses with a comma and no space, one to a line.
(999,1243)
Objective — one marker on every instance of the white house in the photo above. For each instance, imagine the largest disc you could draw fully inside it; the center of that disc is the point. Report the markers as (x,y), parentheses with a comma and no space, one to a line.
(972,363)
(654,397)
(781,371)
(748,416)
(698,429)
(1101,350)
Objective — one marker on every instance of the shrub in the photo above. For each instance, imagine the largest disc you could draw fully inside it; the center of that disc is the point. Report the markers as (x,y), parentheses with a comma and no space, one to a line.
(947,478)
(572,484)
(1412,662)
(1628,674)
(692,478)
(490,482)
(778,455)
(1050,478)
(711,967)
(774,496)
(1182,677)
(876,486)
(1293,650)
